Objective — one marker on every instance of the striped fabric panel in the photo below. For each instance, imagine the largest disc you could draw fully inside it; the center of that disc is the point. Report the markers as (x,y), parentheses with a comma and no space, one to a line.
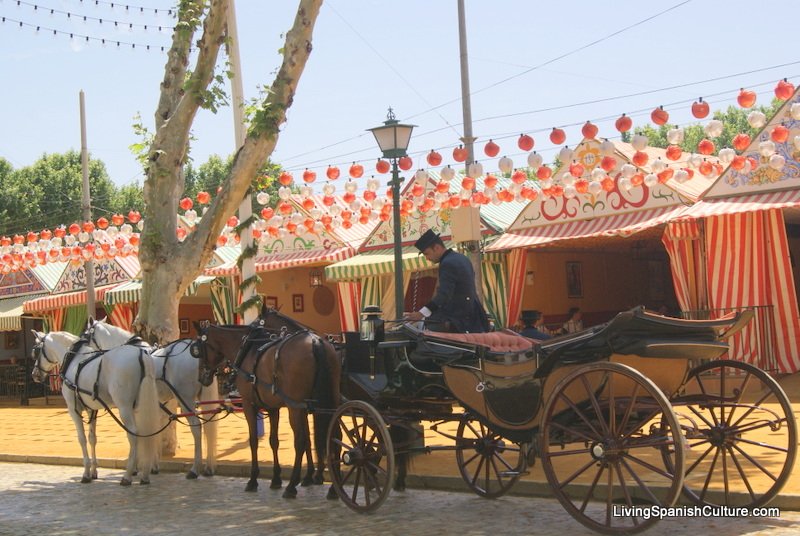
(495,290)
(517,262)
(625,224)
(688,267)
(370,291)
(375,263)
(222,303)
(59,301)
(683,230)
(283,260)
(122,316)
(749,264)
(349,292)
(746,203)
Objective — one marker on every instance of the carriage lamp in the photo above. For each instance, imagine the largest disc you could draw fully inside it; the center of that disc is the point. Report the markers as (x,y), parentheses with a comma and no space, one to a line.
(393,138)
(315,278)
(371,332)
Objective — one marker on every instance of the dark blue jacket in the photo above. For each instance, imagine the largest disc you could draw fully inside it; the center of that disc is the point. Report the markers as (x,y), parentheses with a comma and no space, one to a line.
(455,306)
(533,333)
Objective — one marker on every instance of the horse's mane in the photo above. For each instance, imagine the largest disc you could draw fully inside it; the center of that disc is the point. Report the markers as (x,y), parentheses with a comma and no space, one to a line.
(290,323)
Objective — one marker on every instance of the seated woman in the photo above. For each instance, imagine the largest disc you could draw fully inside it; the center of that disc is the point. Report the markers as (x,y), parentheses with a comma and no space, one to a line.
(574,322)
(533,326)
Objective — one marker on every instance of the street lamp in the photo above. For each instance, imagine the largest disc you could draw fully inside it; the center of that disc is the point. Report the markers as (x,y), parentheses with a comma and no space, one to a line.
(393,138)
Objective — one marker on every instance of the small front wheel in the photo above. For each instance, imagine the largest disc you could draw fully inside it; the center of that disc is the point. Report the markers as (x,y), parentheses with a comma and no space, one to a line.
(360,456)
(488,463)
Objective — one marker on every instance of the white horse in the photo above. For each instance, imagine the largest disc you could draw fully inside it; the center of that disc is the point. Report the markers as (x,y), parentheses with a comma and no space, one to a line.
(123,378)
(177,372)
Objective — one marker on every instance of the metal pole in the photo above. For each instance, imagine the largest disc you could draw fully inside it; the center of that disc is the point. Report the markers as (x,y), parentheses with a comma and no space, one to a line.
(245,209)
(86,205)
(399,295)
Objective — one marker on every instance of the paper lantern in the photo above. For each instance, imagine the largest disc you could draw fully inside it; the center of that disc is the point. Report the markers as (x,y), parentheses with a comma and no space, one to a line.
(459,154)
(659,116)
(285,178)
(404,163)
(491,149)
(535,160)
(332,173)
(589,130)
(202,197)
(779,134)
(608,163)
(185,203)
(640,158)
(784,90)
(557,136)
(525,142)
(674,152)
(382,166)
(434,158)
(746,98)
(705,146)
(357,170)
(675,136)
(700,108)
(623,123)
(741,142)
(505,164)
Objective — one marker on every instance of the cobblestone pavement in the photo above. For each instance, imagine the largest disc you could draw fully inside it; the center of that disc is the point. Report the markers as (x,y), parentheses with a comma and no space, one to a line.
(45,499)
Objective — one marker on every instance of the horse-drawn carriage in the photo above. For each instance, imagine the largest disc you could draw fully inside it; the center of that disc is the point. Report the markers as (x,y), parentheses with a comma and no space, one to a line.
(623,417)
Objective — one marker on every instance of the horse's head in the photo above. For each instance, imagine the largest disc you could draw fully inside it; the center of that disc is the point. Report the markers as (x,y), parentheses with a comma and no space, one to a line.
(48,351)
(104,336)
(208,350)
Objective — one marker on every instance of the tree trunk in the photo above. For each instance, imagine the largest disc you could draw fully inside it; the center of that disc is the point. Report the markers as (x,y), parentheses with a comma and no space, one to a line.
(170,266)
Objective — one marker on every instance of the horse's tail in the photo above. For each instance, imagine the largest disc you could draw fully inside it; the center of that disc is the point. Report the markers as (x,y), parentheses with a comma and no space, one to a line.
(326,392)
(210,427)
(147,417)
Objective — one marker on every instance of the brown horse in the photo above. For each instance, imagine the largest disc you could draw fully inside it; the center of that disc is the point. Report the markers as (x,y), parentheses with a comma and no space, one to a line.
(298,370)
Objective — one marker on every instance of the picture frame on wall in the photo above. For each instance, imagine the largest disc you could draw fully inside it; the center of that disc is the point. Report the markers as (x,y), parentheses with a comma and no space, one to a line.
(297,303)
(271,302)
(574,279)
(184,326)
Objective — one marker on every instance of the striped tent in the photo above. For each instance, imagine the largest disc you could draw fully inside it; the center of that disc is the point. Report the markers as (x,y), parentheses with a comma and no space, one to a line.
(494,282)
(348,305)
(376,263)
(131,291)
(286,259)
(11,311)
(60,301)
(223,303)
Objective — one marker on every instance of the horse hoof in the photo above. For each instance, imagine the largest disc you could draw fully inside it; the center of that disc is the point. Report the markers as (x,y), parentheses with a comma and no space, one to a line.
(290,494)
(135,472)
(332,495)
(306,482)
(399,487)
(276,484)
(208,472)
(144,483)
(318,480)
(155,471)
(94,475)
(251,486)
(125,482)
(191,475)
(86,480)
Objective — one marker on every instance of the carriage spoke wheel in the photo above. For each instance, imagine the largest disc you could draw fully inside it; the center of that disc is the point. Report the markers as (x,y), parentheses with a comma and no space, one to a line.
(489,464)
(740,432)
(603,429)
(360,456)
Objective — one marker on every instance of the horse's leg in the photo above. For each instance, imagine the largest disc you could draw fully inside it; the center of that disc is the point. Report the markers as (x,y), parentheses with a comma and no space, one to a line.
(299,421)
(194,424)
(308,480)
(400,436)
(274,415)
(127,417)
(209,429)
(93,446)
(250,413)
(77,419)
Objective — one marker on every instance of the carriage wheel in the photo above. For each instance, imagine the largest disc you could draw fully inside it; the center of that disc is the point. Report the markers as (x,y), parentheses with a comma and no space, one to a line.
(603,430)
(488,464)
(740,432)
(360,456)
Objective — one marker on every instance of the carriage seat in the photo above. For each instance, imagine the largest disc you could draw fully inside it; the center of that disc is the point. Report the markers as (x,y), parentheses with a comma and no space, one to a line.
(498,342)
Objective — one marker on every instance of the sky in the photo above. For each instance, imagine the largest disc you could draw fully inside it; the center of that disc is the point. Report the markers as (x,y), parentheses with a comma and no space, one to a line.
(532,66)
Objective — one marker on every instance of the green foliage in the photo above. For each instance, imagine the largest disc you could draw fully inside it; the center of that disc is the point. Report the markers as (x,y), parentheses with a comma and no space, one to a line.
(210,175)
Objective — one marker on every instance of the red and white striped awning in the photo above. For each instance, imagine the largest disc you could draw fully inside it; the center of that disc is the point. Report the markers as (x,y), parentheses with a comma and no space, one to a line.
(623,225)
(745,203)
(287,259)
(67,299)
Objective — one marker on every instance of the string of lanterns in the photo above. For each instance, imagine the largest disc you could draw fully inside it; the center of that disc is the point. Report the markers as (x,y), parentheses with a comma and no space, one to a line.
(87,18)
(308,213)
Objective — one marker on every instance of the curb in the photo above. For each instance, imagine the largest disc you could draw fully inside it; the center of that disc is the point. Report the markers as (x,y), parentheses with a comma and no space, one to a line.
(524,488)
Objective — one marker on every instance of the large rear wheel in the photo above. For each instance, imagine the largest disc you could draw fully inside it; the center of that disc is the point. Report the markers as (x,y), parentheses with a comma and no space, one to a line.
(740,432)
(603,429)
(360,456)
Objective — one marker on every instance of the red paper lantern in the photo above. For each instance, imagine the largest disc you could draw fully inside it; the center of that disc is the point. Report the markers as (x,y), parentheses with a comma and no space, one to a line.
(285,208)
(348,197)
(705,146)
(746,98)
(544,173)
(581,186)
(700,108)
(134,216)
(356,170)
(369,196)
(328,200)
(491,149)
(382,166)
(180,233)
(267,213)
(738,162)
(779,134)
(233,221)
(741,141)
(417,189)
(705,168)
(784,90)
(674,152)
(753,162)
(589,130)
(490,181)
(434,158)
(32,237)
(468,183)
(576,169)
(607,184)
(134,240)
(285,178)
(659,116)
(46,234)
(459,154)
(441,187)
(185,203)
(640,158)
(102,222)
(525,142)
(308,203)
(309,176)
(623,123)
(608,163)
(637,179)
(346,215)
(557,136)
(332,173)
(88,226)
(202,197)
(60,232)
(74,229)
(405,163)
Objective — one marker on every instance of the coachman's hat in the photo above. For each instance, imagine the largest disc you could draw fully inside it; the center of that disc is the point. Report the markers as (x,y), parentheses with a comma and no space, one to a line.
(428,239)
(530,316)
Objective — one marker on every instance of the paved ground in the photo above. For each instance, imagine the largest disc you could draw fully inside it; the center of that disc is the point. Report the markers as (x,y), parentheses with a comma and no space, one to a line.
(40,499)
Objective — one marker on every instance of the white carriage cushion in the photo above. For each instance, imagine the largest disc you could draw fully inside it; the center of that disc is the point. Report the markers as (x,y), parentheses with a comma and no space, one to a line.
(500,342)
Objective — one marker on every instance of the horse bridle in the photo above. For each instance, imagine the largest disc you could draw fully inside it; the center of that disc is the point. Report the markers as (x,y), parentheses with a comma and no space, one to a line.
(39,352)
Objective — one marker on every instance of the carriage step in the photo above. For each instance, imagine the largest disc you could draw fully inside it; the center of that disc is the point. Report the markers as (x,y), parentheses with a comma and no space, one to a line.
(514,473)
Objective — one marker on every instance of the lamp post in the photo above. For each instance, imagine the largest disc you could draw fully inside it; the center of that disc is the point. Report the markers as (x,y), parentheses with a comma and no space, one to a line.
(393,138)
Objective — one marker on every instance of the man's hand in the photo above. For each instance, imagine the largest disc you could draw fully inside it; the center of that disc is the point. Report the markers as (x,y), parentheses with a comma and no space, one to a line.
(413,316)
